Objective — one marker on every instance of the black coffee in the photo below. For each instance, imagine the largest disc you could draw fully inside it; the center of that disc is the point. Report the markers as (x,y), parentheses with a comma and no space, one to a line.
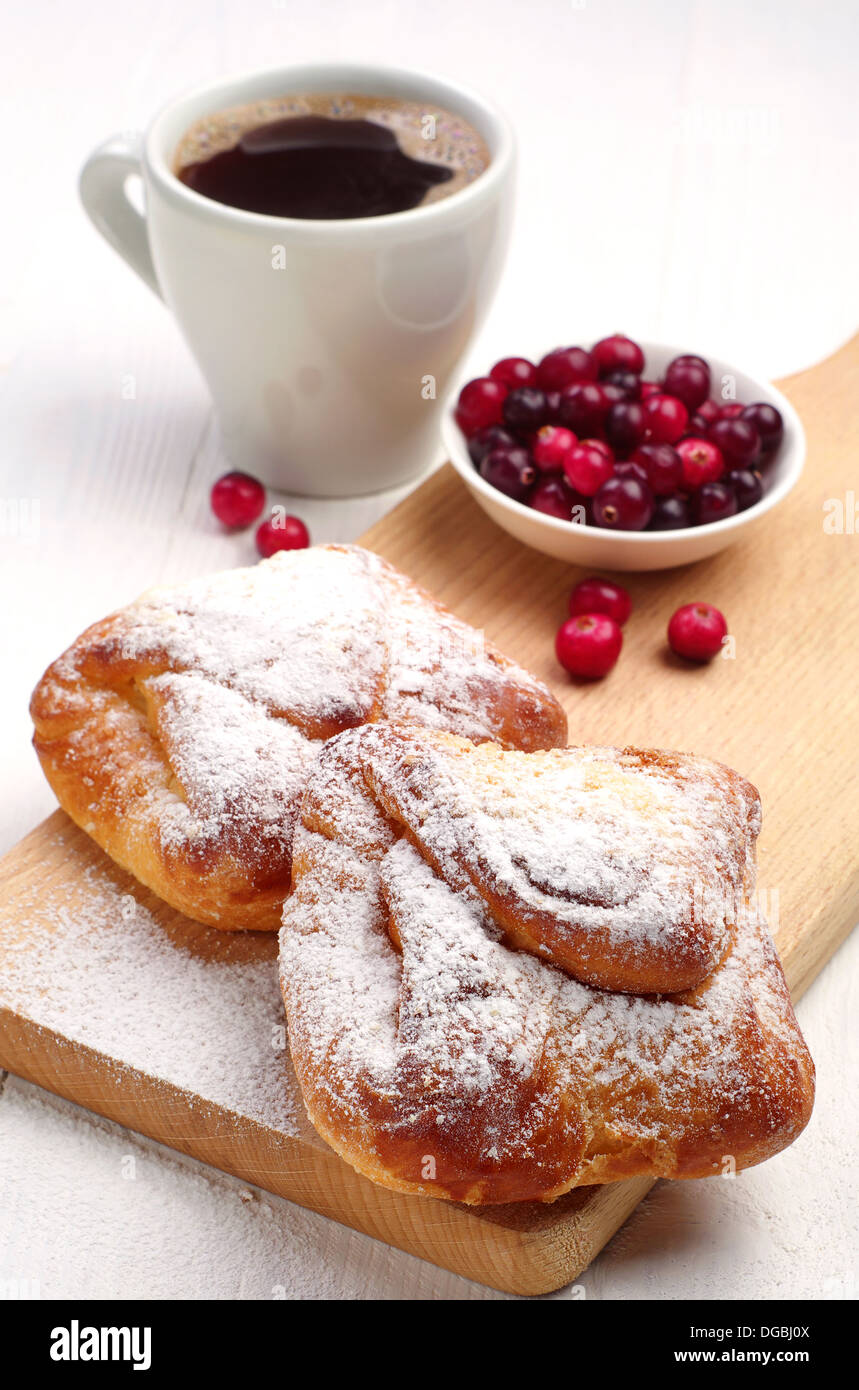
(329,157)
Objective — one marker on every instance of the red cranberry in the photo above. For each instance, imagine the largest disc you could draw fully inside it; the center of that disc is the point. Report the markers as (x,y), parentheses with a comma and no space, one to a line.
(601,448)
(616,353)
(663,465)
(688,378)
(767,422)
(747,485)
(551,446)
(623,504)
(628,468)
(588,645)
(281,533)
(553,407)
(510,470)
(514,371)
(666,419)
(713,502)
(709,410)
(596,595)
(583,407)
(237,499)
(479,405)
(670,513)
(650,388)
(587,468)
(628,383)
(554,497)
(696,631)
(738,441)
(524,410)
(492,437)
(701,460)
(729,410)
(625,425)
(564,367)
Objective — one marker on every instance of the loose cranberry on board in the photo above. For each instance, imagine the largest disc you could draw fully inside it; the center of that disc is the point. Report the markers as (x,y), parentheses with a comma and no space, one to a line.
(696,631)
(588,645)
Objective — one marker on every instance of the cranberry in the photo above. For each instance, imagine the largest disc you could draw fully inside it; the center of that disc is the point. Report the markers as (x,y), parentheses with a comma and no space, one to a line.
(709,410)
(663,465)
(747,485)
(729,410)
(596,595)
(583,407)
(281,533)
(587,468)
(551,446)
(612,354)
(666,419)
(514,371)
(697,427)
(479,405)
(713,502)
(601,448)
(650,388)
(237,499)
(524,409)
(588,645)
(492,437)
(628,468)
(628,383)
(553,407)
(670,513)
(564,367)
(767,421)
(624,425)
(623,504)
(688,378)
(696,631)
(701,460)
(738,441)
(554,497)
(510,470)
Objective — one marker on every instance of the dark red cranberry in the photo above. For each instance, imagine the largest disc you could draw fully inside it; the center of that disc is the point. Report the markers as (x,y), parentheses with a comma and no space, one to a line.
(688,378)
(713,502)
(664,467)
(729,410)
(479,405)
(628,468)
(767,422)
(747,485)
(701,460)
(616,353)
(551,446)
(588,645)
(281,533)
(554,497)
(564,367)
(597,595)
(237,499)
(628,383)
(583,407)
(696,631)
(666,419)
(481,443)
(524,410)
(738,441)
(510,470)
(697,427)
(625,425)
(587,468)
(670,513)
(514,371)
(709,410)
(623,504)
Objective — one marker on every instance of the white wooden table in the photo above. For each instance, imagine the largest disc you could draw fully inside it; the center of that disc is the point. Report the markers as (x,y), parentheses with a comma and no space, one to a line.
(687,173)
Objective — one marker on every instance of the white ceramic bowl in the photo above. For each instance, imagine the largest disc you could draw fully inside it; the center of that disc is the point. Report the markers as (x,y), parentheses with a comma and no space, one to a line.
(640,550)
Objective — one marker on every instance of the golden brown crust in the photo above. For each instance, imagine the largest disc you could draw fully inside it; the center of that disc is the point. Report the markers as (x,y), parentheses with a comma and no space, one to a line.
(178,732)
(437,1059)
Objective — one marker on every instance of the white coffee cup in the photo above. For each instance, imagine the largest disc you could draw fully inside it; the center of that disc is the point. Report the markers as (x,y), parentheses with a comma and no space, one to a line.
(327,345)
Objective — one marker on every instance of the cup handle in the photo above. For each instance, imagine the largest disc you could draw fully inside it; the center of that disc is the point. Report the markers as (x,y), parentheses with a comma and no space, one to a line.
(102,187)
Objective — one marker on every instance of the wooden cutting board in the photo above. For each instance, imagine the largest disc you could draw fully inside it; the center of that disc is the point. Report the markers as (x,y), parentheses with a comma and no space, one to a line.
(783,710)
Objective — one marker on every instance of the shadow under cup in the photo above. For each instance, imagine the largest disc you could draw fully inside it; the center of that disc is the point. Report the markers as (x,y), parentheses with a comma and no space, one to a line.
(328,346)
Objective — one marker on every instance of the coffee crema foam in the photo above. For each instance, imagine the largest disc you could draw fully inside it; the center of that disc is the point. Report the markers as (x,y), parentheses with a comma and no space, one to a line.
(429,134)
